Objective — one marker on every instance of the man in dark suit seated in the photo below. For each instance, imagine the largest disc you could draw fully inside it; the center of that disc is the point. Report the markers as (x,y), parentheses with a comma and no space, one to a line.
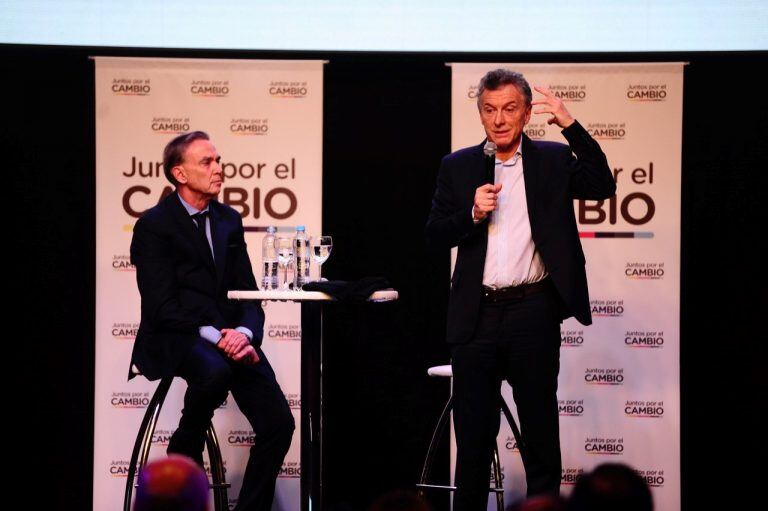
(519,272)
(189,250)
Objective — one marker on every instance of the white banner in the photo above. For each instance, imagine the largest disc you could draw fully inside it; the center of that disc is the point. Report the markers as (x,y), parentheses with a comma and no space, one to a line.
(619,378)
(265,118)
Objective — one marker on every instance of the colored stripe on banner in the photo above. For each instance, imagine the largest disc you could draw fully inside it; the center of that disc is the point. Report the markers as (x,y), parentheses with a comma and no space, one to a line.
(594,234)
(263,228)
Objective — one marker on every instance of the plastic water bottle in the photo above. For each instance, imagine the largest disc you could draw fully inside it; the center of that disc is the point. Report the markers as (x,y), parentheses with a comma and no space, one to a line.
(301,257)
(269,258)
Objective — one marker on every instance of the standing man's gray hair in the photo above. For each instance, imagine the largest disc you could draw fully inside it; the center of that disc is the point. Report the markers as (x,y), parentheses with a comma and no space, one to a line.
(498,78)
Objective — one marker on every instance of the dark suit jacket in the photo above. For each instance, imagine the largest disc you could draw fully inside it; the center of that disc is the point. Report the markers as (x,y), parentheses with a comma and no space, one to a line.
(181,287)
(553,179)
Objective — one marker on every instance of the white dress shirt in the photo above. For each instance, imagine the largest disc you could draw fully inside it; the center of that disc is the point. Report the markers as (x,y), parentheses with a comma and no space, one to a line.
(511,258)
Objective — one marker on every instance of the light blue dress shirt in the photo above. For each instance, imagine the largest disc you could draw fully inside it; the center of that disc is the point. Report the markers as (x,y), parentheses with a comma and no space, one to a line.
(209,332)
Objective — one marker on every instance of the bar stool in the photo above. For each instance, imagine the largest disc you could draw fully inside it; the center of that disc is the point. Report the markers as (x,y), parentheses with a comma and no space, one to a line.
(446,371)
(144,442)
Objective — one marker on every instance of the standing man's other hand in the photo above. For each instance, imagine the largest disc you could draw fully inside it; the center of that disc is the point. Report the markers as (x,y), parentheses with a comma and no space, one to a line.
(551,104)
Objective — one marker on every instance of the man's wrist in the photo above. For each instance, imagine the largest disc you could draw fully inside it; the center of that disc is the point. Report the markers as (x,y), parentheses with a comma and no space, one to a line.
(210,334)
(571,127)
(247,331)
(475,220)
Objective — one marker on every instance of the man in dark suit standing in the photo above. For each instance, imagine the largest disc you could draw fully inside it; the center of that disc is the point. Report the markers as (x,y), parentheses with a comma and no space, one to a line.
(189,250)
(519,272)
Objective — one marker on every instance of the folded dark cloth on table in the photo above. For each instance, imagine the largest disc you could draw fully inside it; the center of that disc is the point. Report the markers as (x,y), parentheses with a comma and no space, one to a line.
(354,291)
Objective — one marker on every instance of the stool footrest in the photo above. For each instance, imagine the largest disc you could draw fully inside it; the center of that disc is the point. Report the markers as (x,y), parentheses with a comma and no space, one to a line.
(211,486)
(453,488)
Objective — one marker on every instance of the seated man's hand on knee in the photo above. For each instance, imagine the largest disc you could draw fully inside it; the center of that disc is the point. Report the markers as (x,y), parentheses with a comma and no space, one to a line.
(232,341)
(248,355)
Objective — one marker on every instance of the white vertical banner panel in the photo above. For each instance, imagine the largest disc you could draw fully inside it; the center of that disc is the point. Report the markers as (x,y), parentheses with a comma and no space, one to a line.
(265,119)
(619,378)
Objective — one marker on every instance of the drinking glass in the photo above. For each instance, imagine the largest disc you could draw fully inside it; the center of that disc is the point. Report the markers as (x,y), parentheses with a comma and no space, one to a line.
(321,250)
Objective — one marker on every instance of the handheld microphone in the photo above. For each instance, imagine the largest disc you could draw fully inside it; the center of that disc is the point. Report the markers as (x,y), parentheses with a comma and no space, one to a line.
(489,150)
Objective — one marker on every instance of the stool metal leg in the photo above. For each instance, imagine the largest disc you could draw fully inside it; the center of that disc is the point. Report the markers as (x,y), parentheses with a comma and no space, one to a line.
(498,486)
(143,443)
(513,426)
(442,422)
(436,436)
(218,478)
(144,438)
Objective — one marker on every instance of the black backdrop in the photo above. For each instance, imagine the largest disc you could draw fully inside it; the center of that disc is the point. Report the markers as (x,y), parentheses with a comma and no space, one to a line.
(386,125)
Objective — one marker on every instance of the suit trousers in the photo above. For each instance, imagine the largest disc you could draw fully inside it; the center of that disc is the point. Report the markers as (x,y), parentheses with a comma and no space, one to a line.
(210,375)
(517,340)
